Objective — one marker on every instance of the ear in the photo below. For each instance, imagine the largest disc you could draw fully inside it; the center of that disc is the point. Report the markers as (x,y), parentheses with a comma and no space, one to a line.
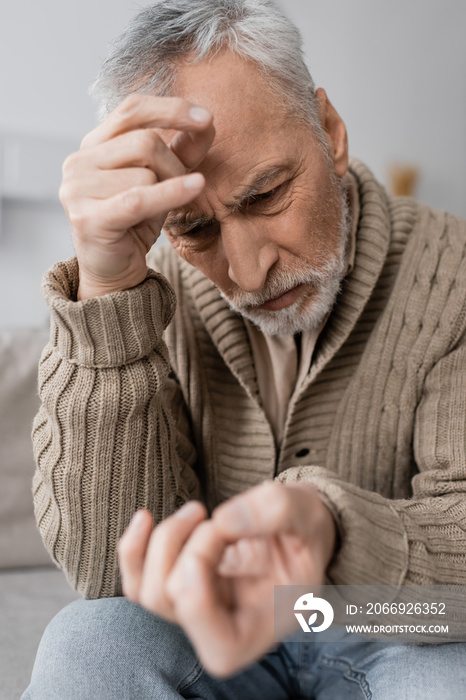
(335,130)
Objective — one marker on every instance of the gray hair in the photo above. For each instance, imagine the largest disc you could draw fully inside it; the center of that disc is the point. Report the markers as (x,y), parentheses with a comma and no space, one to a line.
(145,56)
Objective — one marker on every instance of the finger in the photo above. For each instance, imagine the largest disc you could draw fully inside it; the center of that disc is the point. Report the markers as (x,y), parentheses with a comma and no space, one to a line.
(143,203)
(140,148)
(191,146)
(138,111)
(102,185)
(204,617)
(197,594)
(230,562)
(132,551)
(246,557)
(226,638)
(265,510)
(206,543)
(164,548)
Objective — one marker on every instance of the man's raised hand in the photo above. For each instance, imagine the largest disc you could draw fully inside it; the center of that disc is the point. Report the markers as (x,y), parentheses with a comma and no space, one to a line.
(118,188)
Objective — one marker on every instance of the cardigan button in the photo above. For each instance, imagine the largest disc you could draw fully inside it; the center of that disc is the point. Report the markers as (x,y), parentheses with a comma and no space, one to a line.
(302,453)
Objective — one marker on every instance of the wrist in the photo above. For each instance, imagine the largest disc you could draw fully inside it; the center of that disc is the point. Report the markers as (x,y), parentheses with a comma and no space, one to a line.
(90,288)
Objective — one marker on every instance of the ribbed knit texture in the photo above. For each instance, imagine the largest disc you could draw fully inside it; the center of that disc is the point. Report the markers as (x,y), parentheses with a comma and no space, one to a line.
(379,426)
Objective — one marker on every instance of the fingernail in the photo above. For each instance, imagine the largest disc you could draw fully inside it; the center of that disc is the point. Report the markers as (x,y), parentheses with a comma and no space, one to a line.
(198,114)
(193,181)
(137,520)
(188,509)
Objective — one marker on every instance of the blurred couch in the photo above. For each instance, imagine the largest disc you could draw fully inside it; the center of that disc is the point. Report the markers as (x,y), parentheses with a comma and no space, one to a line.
(32,589)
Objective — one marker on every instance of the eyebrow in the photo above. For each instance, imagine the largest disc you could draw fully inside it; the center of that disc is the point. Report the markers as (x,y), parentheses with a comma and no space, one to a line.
(259,183)
(179,219)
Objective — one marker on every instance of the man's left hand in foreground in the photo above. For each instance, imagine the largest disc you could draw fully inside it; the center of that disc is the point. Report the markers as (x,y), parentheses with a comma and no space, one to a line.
(215,577)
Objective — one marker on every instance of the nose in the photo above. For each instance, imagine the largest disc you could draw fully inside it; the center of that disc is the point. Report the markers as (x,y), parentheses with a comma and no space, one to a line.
(250,254)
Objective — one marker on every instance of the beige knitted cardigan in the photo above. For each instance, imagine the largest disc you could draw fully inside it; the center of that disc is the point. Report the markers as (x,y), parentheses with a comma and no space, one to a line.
(379,427)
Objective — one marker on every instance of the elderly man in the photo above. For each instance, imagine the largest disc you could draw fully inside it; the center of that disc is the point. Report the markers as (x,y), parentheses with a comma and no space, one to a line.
(281,392)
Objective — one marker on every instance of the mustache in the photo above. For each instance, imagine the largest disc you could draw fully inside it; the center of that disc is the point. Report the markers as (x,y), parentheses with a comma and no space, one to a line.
(278,283)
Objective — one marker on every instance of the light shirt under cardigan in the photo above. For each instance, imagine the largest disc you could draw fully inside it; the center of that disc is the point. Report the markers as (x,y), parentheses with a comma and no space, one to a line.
(280,365)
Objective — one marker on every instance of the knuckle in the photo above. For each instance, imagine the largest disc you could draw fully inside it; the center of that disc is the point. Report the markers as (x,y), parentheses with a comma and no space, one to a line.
(163,533)
(133,201)
(86,141)
(140,139)
(128,108)
(79,218)
(147,142)
(64,193)
(142,177)
(203,530)
(71,164)
(145,177)
(70,198)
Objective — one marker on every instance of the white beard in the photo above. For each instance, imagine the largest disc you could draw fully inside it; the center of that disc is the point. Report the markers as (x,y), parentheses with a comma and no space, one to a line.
(314,303)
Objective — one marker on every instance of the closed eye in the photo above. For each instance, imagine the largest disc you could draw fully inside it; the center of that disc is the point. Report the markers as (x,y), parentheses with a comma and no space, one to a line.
(207,229)
(263,196)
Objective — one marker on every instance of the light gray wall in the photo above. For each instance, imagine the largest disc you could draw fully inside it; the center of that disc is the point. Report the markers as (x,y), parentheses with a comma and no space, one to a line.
(50,52)
(395,71)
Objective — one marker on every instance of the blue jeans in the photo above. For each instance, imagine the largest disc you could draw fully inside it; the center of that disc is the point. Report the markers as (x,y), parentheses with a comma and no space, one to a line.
(111,649)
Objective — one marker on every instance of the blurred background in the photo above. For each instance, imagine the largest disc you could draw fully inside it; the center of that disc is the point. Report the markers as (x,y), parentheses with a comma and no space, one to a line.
(395,71)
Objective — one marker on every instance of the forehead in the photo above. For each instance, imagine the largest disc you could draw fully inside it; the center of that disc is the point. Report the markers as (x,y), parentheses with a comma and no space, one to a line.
(229,86)
(248,117)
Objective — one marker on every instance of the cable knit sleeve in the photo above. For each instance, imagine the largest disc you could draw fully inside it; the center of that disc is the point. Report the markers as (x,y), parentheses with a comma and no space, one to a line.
(113,433)
(421,540)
